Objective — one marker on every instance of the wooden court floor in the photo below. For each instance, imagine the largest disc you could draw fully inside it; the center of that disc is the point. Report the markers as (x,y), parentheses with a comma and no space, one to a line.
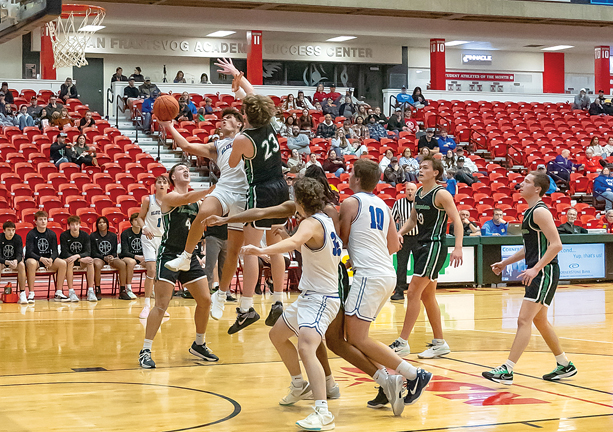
(73,367)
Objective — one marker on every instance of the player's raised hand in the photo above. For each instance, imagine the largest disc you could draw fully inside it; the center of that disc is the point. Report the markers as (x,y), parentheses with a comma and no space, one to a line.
(456,258)
(251,250)
(498,267)
(165,124)
(528,275)
(226,67)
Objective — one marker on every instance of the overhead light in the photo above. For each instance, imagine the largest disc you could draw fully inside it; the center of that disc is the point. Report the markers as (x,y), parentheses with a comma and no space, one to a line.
(91,28)
(455,43)
(221,33)
(340,39)
(557,48)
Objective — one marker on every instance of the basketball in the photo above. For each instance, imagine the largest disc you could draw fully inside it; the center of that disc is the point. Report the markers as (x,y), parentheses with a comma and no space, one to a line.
(166,108)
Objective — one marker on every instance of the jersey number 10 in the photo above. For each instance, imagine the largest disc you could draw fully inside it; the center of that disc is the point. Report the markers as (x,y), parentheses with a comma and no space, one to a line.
(376,218)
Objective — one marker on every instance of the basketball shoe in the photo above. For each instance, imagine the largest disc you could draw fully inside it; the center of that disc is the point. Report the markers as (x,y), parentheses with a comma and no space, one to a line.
(379,401)
(296,394)
(435,350)
(561,372)
(500,375)
(218,301)
(144,358)
(276,310)
(416,387)
(320,420)
(203,352)
(401,348)
(243,319)
(180,263)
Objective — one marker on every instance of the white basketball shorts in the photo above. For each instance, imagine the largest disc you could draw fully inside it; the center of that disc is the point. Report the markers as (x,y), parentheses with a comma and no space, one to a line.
(312,310)
(368,295)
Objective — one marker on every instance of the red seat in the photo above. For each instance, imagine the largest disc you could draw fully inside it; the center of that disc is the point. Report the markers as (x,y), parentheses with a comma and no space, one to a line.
(114,190)
(8,215)
(144,159)
(112,150)
(90,190)
(157,169)
(24,202)
(56,179)
(125,202)
(133,150)
(46,168)
(21,189)
(69,168)
(9,179)
(59,215)
(33,179)
(125,179)
(66,190)
(122,159)
(14,158)
(88,215)
(44,189)
(146,179)
(114,215)
(22,229)
(49,202)
(80,179)
(103,179)
(135,168)
(138,191)
(112,169)
(100,202)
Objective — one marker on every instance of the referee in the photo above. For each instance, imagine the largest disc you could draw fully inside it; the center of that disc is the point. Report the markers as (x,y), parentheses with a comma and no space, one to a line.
(401,211)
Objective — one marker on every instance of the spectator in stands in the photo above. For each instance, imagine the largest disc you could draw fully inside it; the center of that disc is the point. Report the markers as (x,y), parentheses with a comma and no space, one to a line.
(2,103)
(347,108)
(130,93)
(64,119)
(61,151)
(468,163)
(8,95)
(597,107)
(419,100)
(82,154)
(561,168)
(179,78)
(601,96)
(53,106)
(410,124)
(360,130)
(11,258)
(68,90)
(320,95)
(302,102)
(463,174)
(409,164)
(33,109)
(569,226)
(334,164)
(289,103)
(603,188)
(429,141)
(381,119)
(329,107)
(42,122)
(147,87)
(131,251)
(287,128)
(449,161)
(87,121)
(208,106)
(334,96)
(24,119)
(326,129)
(395,122)
(185,95)
(347,130)
(356,148)
(8,118)
(75,249)
(470,228)
(608,149)
(445,142)
(204,79)
(305,122)
(104,252)
(404,99)
(552,184)
(360,112)
(118,75)
(386,159)
(589,162)
(495,227)
(318,107)
(596,147)
(608,225)
(451,182)
(147,111)
(313,161)
(42,251)
(376,130)
(582,101)
(295,162)
(424,153)
(55,118)
(137,75)
(298,142)
(185,113)
(339,142)
(394,174)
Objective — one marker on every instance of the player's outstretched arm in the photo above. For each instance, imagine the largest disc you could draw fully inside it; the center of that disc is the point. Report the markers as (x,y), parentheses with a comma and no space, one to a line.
(445,200)
(226,67)
(349,211)
(284,210)
(203,150)
(305,232)
(175,199)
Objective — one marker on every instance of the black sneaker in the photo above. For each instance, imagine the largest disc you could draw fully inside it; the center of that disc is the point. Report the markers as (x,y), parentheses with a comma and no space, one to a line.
(230,297)
(98,293)
(186,294)
(203,352)
(378,402)
(275,312)
(123,295)
(561,372)
(144,358)
(500,375)
(416,387)
(398,295)
(258,289)
(243,319)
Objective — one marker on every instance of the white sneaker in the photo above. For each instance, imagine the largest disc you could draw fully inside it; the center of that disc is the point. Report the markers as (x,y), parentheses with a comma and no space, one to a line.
(91,295)
(435,351)
(130,293)
(22,298)
(296,393)
(180,263)
(59,296)
(73,297)
(400,349)
(334,392)
(320,420)
(144,313)
(393,388)
(217,304)
(31,297)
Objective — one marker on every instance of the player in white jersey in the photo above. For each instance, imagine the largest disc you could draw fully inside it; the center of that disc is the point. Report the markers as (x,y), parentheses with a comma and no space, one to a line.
(371,239)
(150,221)
(228,198)
(316,307)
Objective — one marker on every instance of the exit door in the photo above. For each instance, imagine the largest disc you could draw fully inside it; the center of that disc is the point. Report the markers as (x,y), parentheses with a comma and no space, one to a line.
(371,85)
(90,84)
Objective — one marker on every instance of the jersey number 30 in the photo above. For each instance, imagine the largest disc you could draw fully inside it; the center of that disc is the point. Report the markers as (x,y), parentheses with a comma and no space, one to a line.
(376,218)
(266,145)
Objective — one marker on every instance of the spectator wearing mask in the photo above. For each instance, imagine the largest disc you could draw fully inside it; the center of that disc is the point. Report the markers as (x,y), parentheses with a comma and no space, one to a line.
(53,107)
(147,87)
(68,90)
(597,108)
(394,174)
(137,75)
(326,129)
(375,130)
(561,168)
(395,122)
(289,103)
(582,101)
(23,118)
(404,99)
(603,188)
(179,78)
(470,228)
(419,99)
(429,141)
(386,159)
(86,121)
(569,226)
(552,184)
(319,95)
(294,162)
(305,121)
(445,142)
(118,75)
(298,142)
(33,109)
(409,164)
(147,111)
(463,174)
(302,102)
(61,151)
(596,147)
(347,108)
(495,227)
(334,164)
(8,95)
(360,130)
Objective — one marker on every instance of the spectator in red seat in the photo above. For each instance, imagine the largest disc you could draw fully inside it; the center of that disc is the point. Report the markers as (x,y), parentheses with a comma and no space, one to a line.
(8,95)
(326,129)
(381,119)
(386,159)
(334,96)
(419,98)
(2,103)
(179,78)
(53,106)
(8,118)
(603,188)
(118,75)
(608,225)
(313,161)
(82,153)
(305,121)
(298,142)
(330,107)
(208,106)
(185,114)
(347,108)
(561,168)
(147,88)
(185,95)
(288,126)
(318,107)
(394,174)
(320,94)
(295,163)
(87,121)
(339,143)
(582,101)
(552,184)
(360,130)
(302,102)
(64,119)
(591,163)
(409,164)
(607,150)
(23,118)
(450,160)
(360,112)
(68,90)
(33,109)
(147,111)
(61,151)
(495,227)
(463,174)
(395,122)
(429,141)
(424,153)
(445,142)
(376,130)
(597,108)
(596,147)
(334,164)
(470,227)
(403,99)
(569,227)
(42,122)
(410,124)
(290,103)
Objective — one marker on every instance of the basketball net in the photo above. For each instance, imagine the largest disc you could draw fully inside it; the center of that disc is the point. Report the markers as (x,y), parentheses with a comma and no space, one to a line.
(71,32)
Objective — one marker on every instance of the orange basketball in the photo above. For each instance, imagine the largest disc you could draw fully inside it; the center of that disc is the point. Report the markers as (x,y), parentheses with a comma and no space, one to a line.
(166,108)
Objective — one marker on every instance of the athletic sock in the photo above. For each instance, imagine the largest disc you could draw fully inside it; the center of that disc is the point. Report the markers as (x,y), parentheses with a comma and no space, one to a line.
(71,291)
(561,359)
(297,380)
(199,338)
(246,303)
(510,365)
(407,370)
(188,255)
(330,382)
(148,344)
(129,287)
(277,297)
(438,341)
(148,302)
(402,341)
(321,404)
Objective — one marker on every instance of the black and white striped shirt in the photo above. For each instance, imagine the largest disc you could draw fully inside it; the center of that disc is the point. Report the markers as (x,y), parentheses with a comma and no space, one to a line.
(401,212)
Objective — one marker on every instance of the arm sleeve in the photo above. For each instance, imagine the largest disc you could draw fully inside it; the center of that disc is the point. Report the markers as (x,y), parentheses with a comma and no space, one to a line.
(31,248)
(19,246)
(53,242)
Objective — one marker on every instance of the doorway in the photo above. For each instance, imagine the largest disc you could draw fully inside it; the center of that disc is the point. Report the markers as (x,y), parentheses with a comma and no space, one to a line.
(90,84)
(371,85)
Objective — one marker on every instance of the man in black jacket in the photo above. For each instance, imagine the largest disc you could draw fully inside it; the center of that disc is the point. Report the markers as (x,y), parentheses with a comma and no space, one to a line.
(11,256)
(429,141)
(41,251)
(61,151)
(53,106)
(76,251)
(131,251)
(68,90)
(104,251)
(569,227)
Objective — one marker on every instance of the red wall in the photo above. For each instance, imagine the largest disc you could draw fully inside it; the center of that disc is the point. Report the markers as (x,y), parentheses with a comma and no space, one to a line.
(553,73)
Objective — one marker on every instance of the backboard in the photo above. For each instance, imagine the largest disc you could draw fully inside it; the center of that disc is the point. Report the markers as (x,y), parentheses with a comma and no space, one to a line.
(20,17)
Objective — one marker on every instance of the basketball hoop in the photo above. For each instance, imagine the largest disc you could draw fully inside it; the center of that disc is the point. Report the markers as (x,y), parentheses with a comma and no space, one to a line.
(70,38)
